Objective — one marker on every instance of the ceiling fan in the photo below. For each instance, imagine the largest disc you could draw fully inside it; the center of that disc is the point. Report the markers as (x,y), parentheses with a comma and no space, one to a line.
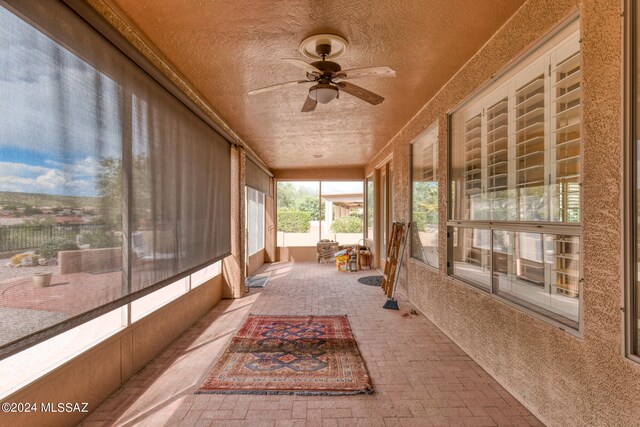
(329,79)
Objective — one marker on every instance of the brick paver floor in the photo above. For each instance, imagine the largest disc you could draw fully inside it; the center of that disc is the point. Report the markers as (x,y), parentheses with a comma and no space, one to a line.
(421,378)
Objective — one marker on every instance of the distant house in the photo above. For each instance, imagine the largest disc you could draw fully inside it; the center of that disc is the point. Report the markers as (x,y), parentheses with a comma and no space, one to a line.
(10,221)
(69,220)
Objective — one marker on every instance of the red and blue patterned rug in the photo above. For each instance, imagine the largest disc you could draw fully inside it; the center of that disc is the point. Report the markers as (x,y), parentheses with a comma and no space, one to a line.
(305,355)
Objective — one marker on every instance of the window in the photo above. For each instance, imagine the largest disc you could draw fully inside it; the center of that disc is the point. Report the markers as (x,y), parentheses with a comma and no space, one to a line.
(515,189)
(255,220)
(202,276)
(424,197)
(312,210)
(98,160)
(22,368)
(150,303)
(343,211)
(26,366)
(298,213)
(370,208)
(632,175)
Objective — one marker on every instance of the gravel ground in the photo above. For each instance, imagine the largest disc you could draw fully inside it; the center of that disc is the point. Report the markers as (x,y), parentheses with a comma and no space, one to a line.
(18,322)
(7,273)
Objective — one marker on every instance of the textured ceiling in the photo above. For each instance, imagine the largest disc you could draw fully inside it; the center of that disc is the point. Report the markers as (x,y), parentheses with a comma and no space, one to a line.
(225,48)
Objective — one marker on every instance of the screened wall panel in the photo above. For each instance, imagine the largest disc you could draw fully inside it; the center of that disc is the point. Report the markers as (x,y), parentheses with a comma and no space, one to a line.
(256,178)
(179,218)
(102,171)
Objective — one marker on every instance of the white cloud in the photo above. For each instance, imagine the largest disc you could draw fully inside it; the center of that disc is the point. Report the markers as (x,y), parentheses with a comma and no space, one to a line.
(21,169)
(86,166)
(74,179)
(51,183)
(52,179)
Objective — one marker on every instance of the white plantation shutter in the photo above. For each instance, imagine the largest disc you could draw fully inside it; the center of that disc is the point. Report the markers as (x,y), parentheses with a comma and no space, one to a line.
(515,168)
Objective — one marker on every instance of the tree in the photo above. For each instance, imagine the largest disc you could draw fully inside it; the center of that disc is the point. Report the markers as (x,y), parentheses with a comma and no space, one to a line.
(109,188)
(300,198)
(310,203)
(425,204)
(347,224)
(286,195)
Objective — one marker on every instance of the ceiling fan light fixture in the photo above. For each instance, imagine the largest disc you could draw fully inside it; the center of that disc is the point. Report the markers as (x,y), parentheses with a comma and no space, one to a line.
(324,94)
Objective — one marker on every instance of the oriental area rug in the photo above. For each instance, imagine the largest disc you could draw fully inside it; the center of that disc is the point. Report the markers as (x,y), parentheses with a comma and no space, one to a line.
(304,355)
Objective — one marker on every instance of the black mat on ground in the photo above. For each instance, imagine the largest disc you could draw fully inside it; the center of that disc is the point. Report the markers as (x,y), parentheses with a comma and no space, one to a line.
(257,281)
(371,280)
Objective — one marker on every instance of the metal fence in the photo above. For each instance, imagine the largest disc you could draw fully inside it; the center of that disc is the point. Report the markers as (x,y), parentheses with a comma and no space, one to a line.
(21,237)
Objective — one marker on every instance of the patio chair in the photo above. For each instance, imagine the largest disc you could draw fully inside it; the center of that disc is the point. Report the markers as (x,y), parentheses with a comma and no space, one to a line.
(144,253)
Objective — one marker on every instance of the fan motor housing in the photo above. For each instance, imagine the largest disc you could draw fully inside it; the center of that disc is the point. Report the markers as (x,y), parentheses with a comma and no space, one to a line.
(327,66)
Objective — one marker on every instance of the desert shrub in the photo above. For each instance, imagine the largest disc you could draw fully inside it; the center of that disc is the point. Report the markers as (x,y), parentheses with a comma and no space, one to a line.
(100,239)
(17,259)
(30,210)
(51,247)
(293,221)
(347,224)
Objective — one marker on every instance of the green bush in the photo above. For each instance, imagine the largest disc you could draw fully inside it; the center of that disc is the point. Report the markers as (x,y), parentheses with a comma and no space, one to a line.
(51,247)
(293,221)
(100,239)
(30,210)
(347,224)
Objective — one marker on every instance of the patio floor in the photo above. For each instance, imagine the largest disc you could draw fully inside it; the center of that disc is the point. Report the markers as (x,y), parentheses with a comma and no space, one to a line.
(66,296)
(420,377)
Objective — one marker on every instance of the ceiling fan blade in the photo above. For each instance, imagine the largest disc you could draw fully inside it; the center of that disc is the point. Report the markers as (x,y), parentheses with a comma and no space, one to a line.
(365,72)
(303,65)
(278,86)
(309,105)
(361,93)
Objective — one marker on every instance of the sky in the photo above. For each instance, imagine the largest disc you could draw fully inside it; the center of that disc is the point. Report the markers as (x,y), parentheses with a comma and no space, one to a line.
(50,140)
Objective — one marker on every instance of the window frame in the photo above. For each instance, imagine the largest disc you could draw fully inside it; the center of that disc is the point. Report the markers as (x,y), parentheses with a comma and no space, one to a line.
(527,58)
(363,181)
(254,224)
(435,125)
(630,253)
(373,208)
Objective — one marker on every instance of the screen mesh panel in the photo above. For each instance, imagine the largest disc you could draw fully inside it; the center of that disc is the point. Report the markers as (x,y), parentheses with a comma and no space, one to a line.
(256,178)
(108,183)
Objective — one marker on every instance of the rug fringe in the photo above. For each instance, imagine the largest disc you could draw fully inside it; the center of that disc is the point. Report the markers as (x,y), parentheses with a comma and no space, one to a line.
(286,392)
(298,315)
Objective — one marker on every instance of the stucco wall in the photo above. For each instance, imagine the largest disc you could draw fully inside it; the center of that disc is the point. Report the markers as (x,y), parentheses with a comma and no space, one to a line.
(255,262)
(563,379)
(270,251)
(233,266)
(330,174)
(297,253)
(88,260)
